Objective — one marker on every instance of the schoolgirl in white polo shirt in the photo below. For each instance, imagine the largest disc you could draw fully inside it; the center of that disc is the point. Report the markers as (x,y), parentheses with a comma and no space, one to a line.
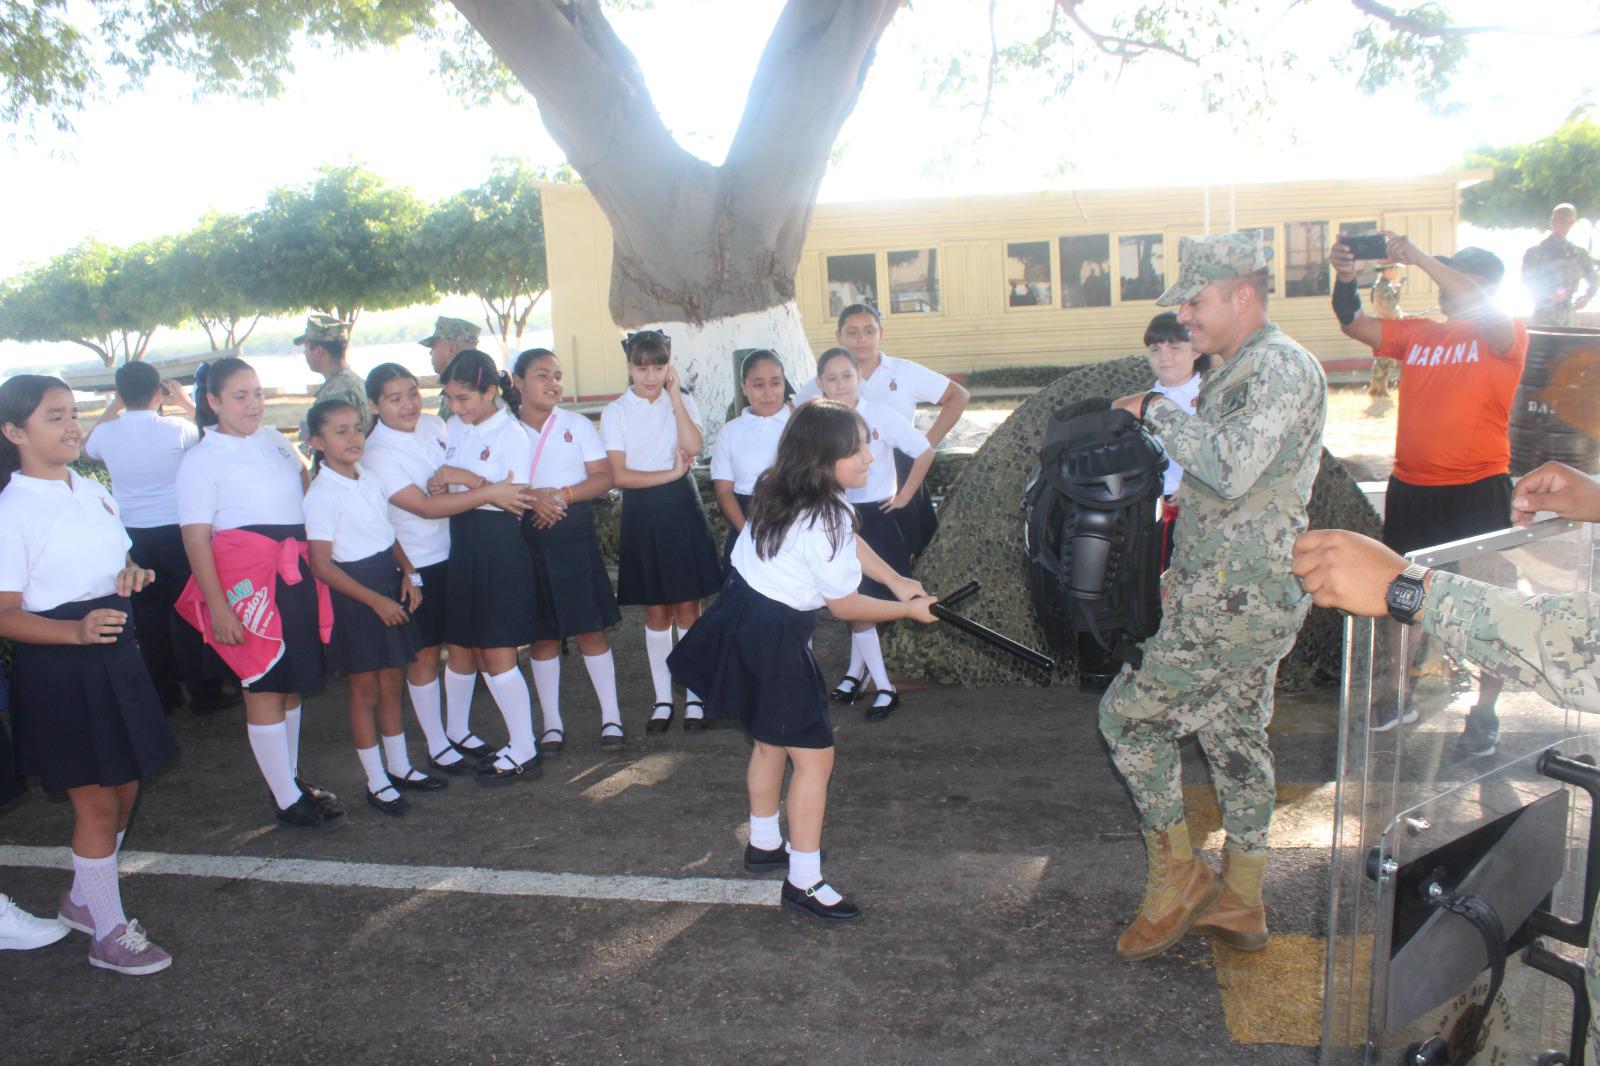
(86,716)
(405,450)
(877,502)
(247,477)
(666,560)
(747,446)
(900,384)
(570,470)
(489,611)
(375,590)
(751,653)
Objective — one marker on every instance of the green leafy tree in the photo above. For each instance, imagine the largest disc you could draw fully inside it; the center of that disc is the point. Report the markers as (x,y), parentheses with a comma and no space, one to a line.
(219,280)
(337,246)
(489,242)
(1529,179)
(106,299)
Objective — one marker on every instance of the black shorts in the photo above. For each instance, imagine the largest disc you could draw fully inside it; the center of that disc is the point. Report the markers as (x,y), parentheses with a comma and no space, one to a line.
(1425,516)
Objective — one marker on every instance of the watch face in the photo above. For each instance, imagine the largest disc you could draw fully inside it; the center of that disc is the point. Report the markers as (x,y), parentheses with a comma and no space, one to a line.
(1405,596)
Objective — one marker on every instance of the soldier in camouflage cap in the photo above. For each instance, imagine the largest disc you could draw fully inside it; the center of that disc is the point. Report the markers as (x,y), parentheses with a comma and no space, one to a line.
(1231,608)
(326,338)
(450,335)
(1554,268)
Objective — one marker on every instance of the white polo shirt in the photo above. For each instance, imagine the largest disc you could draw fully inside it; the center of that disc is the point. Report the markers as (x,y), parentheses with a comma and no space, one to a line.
(1186,396)
(142,449)
(227,482)
(352,514)
(573,441)
(886,432)
(805,571)
(60,541)
(746,447)
(492,449)
(400,460)
(898,383)
(645,432)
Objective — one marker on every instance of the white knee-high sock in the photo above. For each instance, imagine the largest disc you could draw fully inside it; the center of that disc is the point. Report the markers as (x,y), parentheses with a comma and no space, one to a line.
(872,655)
(396,755)
(372,763)
(101,894)
(425,701)
(857,664)
(510,692)
(547,683)
(291,725)
(657,646)
(271,748)
(603,676)
(805,870)
(458,703)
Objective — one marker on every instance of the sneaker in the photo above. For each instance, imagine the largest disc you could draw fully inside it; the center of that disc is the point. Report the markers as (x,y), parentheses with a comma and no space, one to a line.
(21,931)
(74,915)
(126,950)
(1476,741)
(307,813)
(1384,717)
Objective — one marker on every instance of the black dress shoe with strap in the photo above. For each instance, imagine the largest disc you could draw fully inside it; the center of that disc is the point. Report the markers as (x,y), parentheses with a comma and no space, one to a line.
(659,725)
(417,781)
(490,774)
(697,722)
(879,711)
(612,741)
(805,900)
(841,694)
(393,807)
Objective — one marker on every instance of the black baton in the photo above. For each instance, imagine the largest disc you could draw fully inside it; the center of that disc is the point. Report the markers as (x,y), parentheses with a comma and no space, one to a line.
(942,611)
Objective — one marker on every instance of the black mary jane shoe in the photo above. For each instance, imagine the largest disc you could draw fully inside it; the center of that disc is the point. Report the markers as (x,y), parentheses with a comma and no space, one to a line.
(805,901)
(490,774)
(879,711)
(765,860)
(613,741)
(694,723)
(392,807)
(463,765)
(551,747)
(840,694)
(480,750)
(659,725)
(321,795)
(417,781)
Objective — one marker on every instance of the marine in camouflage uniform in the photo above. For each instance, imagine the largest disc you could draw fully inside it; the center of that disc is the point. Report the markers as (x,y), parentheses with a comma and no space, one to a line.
(1231,607)
(1552,270)
(450,336)
(1386,292)
(325,340)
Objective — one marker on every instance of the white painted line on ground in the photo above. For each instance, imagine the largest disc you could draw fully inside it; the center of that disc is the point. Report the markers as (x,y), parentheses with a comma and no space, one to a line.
(473,879)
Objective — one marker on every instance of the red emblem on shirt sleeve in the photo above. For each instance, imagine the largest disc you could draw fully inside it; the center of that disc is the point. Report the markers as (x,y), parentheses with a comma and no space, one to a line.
(874,434)
(894,386)
(483,455)
(567,436)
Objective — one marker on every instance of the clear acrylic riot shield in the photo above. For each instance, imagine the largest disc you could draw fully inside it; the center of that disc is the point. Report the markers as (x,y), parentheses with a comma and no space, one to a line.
(1415,807)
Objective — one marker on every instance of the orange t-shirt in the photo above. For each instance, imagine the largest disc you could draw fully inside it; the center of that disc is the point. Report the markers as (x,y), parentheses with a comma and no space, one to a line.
(1455,400)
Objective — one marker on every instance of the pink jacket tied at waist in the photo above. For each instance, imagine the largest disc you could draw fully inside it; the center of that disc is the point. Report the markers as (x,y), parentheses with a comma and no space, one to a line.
(247,564)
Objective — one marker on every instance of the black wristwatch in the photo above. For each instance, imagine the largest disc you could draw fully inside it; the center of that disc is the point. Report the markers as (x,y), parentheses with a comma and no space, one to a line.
(1404,597)
(1144,405)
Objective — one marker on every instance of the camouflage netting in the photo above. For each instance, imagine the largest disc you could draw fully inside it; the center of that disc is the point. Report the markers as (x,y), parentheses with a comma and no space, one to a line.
(980,538)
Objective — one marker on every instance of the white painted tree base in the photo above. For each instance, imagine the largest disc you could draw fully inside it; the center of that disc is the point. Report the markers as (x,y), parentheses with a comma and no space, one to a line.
(704,355)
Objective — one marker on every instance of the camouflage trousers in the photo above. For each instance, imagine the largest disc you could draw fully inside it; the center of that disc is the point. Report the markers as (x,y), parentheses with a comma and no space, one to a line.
(1208,672)
(1591,985)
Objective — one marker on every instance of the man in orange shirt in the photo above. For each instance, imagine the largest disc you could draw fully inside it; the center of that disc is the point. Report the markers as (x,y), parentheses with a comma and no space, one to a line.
(1452,451)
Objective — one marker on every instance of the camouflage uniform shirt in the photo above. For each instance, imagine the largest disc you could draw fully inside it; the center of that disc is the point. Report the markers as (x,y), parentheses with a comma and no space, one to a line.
(1551,270)
(346,385)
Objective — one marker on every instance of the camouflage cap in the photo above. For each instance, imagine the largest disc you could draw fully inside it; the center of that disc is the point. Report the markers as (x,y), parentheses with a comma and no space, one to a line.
(321,328)
(446,328)
(1202,260)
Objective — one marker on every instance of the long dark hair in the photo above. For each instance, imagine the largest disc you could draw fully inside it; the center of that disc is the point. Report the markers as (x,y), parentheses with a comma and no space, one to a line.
(648,347)
(209,380)
(381,375)
(801,481)
(20,396)
(318,417)
(478,372)
(765,355)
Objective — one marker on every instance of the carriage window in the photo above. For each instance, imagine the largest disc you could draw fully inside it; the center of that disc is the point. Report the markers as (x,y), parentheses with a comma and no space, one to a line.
(1305,269)
(1142,266)
(914,281)
(852,279)
(1269,241)
(1086,271)
(1366,269)
(1028,281)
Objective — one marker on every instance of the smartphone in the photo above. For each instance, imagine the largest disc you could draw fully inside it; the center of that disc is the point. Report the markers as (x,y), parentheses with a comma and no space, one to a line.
(1366,245)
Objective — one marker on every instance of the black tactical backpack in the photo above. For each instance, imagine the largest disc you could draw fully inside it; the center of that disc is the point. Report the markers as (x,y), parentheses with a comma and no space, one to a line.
(1092,541)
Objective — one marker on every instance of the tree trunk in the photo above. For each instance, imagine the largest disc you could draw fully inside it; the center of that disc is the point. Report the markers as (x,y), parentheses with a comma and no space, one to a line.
(698,249)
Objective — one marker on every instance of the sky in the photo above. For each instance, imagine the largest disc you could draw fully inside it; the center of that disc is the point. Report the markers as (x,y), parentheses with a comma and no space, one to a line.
(153,160)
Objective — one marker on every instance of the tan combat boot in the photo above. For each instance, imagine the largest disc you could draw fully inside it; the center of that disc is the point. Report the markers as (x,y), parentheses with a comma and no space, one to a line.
(1238,919)
(1179,886)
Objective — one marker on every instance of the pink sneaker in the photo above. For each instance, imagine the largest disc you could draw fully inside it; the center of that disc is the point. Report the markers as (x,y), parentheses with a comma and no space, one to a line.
(126,950)
(74,915)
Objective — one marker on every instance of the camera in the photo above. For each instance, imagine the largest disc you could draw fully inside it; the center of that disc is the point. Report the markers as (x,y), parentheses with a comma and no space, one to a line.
(1366,245)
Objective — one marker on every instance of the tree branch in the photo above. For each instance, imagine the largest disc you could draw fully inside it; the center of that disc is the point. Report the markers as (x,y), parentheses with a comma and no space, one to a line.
(1417,27)
(97,349)
(1123,48)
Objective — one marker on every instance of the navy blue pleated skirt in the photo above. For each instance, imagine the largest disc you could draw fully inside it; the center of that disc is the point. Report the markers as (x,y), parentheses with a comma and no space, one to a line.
(88,714)
(571,586)
(917,520)
(361,643)
(882,533)
(732,537)
(428,621)
(666,554)
(300,669)
(12,783)
(491,601)
(749,657)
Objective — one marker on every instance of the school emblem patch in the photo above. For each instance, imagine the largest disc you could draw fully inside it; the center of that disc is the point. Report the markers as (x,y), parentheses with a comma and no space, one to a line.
(285,453)
(874,434)
(894,386)
(483,455)
(567,436)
